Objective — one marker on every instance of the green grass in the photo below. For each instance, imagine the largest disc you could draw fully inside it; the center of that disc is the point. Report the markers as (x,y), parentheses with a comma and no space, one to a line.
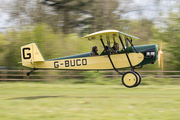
(42,101)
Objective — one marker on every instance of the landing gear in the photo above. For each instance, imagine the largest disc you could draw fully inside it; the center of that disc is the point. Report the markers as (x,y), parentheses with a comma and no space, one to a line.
(131,79)
(28,73)
(139,78)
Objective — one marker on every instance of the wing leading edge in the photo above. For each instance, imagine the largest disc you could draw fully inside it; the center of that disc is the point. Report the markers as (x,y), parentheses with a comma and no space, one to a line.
(109,33)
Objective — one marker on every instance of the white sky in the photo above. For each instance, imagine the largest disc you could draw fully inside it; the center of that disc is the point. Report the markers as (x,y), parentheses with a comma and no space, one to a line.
(3,15)
(150,9)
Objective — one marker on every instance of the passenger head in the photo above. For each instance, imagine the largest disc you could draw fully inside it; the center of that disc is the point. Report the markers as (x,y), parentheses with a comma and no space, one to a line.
(94,48)
(116,46)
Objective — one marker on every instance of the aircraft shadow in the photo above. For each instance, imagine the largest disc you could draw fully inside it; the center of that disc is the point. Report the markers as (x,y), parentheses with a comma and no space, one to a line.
(35,97)
(59,96)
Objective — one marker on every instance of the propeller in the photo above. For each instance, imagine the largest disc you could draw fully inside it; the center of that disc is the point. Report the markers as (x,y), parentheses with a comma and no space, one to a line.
(160,56)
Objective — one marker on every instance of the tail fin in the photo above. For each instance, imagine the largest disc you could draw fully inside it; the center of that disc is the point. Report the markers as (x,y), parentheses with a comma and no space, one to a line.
(29,54)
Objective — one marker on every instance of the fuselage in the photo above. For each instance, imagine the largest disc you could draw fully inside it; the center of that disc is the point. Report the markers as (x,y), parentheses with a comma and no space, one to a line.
(148,54)
(144,54)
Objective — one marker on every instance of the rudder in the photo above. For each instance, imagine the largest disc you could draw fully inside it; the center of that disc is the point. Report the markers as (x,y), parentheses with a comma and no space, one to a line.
(29,54)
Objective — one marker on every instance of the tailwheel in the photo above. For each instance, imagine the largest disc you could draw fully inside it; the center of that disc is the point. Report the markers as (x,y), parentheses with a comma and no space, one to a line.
(129,79)
(139,78)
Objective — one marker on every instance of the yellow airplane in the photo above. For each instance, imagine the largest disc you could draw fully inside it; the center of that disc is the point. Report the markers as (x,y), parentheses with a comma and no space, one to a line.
(129,56)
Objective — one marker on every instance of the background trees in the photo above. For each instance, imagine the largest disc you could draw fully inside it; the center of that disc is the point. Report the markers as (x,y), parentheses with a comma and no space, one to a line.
(171,36)
(57,25)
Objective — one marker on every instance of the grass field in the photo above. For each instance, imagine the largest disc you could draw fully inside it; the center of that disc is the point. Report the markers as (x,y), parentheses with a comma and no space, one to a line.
(42,101)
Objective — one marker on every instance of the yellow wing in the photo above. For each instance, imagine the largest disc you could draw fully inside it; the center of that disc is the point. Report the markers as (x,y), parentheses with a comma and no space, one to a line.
(109,33)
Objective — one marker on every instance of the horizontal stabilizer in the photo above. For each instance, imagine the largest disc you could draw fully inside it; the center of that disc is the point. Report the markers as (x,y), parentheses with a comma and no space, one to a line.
(30,61)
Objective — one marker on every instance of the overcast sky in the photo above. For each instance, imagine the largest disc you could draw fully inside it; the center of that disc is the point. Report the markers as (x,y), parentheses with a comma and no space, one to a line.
(151,8)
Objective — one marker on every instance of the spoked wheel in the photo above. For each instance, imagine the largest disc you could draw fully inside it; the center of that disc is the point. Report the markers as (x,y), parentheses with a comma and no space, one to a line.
(129,79)
(139,78)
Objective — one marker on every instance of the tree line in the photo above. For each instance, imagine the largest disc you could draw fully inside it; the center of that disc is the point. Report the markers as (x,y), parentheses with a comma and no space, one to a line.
(57,25)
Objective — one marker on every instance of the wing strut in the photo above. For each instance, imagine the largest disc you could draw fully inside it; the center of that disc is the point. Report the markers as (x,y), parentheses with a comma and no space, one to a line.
(126,53)
(110,57)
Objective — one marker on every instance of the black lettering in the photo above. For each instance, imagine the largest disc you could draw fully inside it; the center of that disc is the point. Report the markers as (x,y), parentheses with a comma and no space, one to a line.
(56,65)
(67,63)
(84,61)
(72,64)
(28,54)
(78,64)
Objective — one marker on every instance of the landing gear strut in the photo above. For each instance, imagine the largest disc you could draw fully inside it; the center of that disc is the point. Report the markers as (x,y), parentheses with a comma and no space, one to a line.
(129,79)
(28,73)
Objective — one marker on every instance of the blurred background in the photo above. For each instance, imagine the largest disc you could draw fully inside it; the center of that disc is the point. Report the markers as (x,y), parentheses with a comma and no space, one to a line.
(58,25)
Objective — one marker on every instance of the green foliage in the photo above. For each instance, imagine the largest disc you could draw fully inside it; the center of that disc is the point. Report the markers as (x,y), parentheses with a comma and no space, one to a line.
(70,11)
(97,78)
(172,37)
(41,34)
(91,76)
(51,45)
(143,29)
(160,81)
(3,43)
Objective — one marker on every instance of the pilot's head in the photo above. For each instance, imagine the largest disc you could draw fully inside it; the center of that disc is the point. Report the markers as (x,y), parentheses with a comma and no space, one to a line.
(116,46)
(94,48)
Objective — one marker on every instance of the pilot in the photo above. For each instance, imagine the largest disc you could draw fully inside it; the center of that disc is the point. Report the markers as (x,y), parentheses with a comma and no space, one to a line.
(94,51)
(115,48)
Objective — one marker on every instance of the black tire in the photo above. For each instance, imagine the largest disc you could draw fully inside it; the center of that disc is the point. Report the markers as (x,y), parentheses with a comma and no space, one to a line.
(129,79)
(28,73)
(139,78)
